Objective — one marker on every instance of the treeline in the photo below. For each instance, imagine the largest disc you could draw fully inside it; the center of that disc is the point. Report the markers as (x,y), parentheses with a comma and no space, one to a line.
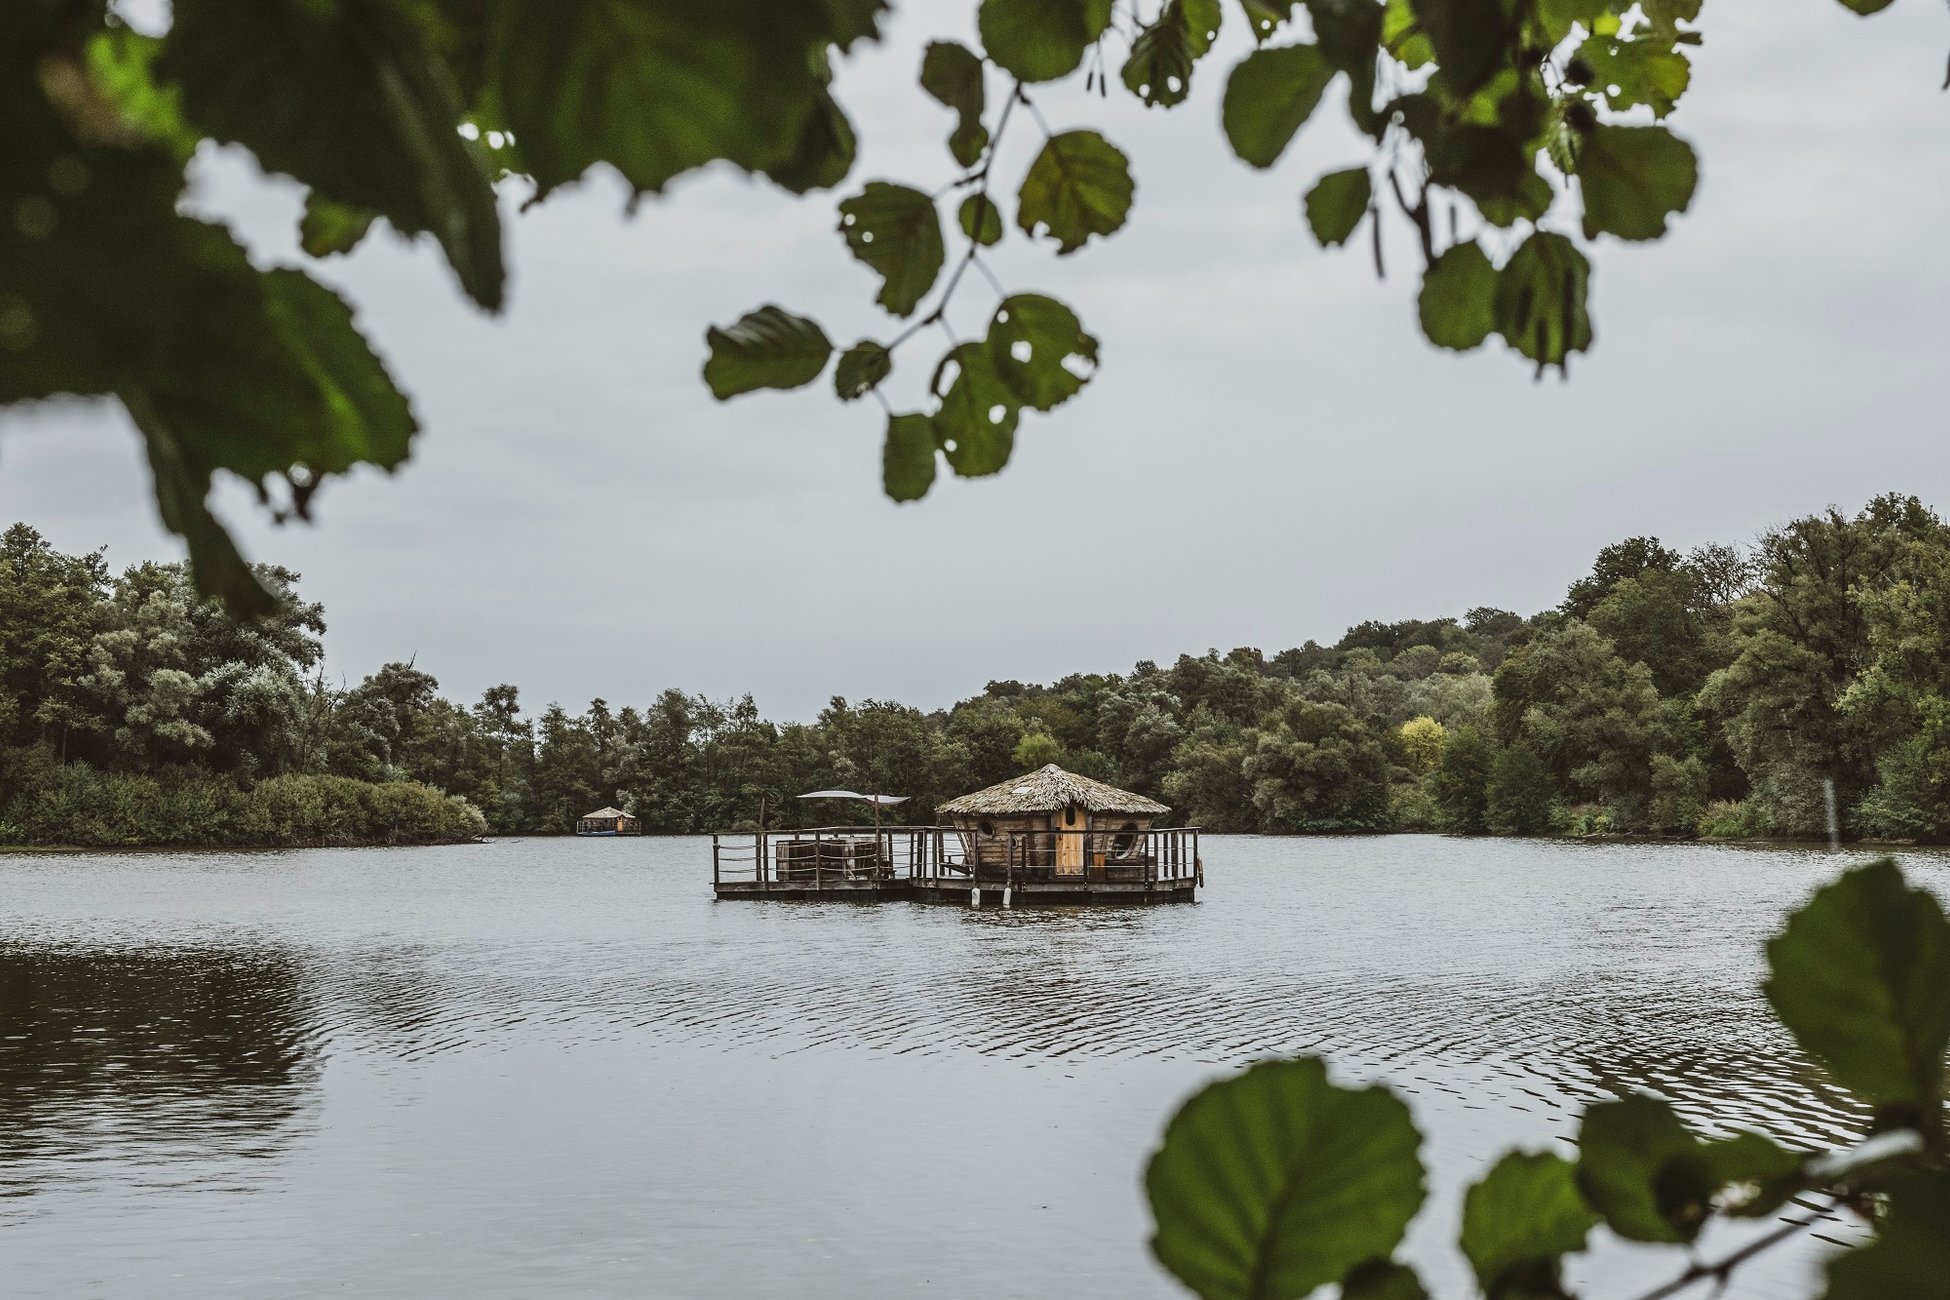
(1710,693)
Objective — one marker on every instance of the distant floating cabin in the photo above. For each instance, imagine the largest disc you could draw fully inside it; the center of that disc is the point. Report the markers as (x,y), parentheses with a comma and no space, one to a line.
(608,821)
(1047,836)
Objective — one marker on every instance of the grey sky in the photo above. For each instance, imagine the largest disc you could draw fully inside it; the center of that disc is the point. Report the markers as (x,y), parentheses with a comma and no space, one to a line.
(1269,453)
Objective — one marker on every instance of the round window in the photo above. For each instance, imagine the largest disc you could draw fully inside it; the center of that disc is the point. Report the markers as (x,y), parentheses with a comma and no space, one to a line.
(986,827)
(1127,838)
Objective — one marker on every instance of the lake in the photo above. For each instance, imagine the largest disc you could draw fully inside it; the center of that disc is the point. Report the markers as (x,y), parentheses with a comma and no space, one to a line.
(559,1067)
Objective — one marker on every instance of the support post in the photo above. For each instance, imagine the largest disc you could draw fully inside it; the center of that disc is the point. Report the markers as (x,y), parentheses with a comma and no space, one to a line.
(714,860)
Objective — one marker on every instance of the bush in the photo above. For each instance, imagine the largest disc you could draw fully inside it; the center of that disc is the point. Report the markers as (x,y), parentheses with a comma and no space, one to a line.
(1412,807)
(1678,795)
(1727,819)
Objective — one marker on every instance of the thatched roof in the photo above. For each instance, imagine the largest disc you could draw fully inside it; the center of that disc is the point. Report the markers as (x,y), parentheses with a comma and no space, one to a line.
(1050,789)
(606,814)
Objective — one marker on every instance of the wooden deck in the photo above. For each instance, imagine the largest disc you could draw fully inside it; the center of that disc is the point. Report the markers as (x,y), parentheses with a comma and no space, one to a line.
(940,864)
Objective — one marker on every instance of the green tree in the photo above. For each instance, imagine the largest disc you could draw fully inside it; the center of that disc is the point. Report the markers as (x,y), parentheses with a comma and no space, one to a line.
(1519,797)
(1315,767)
(1461,783)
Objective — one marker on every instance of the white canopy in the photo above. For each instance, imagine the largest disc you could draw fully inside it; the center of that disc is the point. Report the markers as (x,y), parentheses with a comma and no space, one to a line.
(878,800)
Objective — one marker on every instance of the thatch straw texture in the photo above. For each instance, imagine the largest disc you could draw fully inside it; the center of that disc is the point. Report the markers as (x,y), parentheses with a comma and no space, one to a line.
(1050,789)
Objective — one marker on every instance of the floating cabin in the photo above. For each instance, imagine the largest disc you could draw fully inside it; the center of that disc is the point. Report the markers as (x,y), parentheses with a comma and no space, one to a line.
(1048,836)
(608,821)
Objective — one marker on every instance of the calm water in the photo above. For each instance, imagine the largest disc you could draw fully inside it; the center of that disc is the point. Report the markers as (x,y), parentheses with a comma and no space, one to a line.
(558,1067)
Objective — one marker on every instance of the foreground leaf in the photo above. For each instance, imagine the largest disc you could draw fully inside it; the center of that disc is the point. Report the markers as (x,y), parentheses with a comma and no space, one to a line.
(1159,69)
(1633,178)
(825,151)
(349,99)
(1277,1181)
(980,219)
(1269,96)
(1472,41)
(1861,976)
(976,425)
(1638,72)
(1520,1221)
(1910,1256)
(1540,300)
(907,460)
(1263,17)
(1457,304)
(860,370)
(1383,1280)
(1643,1170)
(953,75)
(895,230)
(1336,204)
(328,227)
(1039,349)
(1080,185)
(768,348)
(1041,40)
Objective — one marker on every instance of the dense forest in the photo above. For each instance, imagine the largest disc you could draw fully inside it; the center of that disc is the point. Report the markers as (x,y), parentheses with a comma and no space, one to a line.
(1709,693)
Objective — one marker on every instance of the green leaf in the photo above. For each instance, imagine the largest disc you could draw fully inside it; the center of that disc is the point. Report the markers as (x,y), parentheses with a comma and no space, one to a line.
(1038,347)
(1348,32)
(1403,37)
(1559,16)
(1637,72)
(861,368)
(768,348)
(329,227)
(907,461)
(1910,1256)
(1643,1170)
(1337,203)
(656,90)
(1867,7)
(980,219)
(1263,17)
(1041,40)
(122,68)
(1269,96)
(1494,169)
(1080,185)
(1159,69)
(1276,1181)
(1762,1174)
(1861,976)
(1520,1221)
(976,425)
(1472,40)
(952,73)
(1383,1279)
(349,99)
(895,230)
(1540,300)
(1633,178)
(1458,300)
(824,154)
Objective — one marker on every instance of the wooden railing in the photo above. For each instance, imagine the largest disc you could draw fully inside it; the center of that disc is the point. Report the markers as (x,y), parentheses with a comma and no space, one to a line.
(831,855)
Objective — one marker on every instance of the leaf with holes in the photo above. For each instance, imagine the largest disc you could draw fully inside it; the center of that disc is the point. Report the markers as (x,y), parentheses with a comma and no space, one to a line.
(1520,1221)
(1336,204)
(1637,72)
(1633,178)
(1263,17)
(1269,96)
(907,459)
(1159,69)
(1041,40)
(1038,347)
(1861,977)
(1540,300)
(976,425)
(860,369)
(980,219)
(953,75)
(1457,304)
(1402,35)
(1348,32)
(1277,1181)
(1080,185)
(895,230)
(768,348)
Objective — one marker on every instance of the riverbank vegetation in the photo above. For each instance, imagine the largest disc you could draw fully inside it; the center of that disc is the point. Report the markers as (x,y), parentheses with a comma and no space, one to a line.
(1706,693)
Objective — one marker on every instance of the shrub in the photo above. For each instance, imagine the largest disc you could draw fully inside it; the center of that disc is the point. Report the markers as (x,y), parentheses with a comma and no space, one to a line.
(1730,819)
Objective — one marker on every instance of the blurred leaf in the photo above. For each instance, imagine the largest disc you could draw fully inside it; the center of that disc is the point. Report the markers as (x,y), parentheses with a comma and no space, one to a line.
(896,231)
(1492,168)
(1382,1280)
(1540,300)
(1276,1181)
(1037,346)
(1263,17)
(348,99)
(1458,299)
(1559,16)
(1866,7)
(1159,69)
(1910,1256)
(122,67)
(1080,185)
(1633,178)
(1636,72)
(329,227)
(1269,96)
(1348,32)
(1861,976)
(1769,1174)
(1041,40)
(861,368)
(1520,1221)
(824,154)
(1643,1170)
(976,425)
(953,75)
(1403,37)
(1337,203)
(907,460)
(768,348)
(980,219)
(1472,40)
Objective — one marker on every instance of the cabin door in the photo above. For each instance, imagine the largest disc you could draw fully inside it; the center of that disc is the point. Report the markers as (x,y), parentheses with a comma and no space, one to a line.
(1069,842)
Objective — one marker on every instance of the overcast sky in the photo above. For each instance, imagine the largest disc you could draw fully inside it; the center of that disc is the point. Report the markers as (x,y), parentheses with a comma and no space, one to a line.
(1268,454)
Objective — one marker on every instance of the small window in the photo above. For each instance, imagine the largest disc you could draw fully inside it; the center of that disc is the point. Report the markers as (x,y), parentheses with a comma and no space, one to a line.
(1126,841)
(986,827)
(1070,815)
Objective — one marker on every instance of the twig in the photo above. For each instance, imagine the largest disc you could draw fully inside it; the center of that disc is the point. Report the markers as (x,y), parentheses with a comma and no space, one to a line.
(1722,1270)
